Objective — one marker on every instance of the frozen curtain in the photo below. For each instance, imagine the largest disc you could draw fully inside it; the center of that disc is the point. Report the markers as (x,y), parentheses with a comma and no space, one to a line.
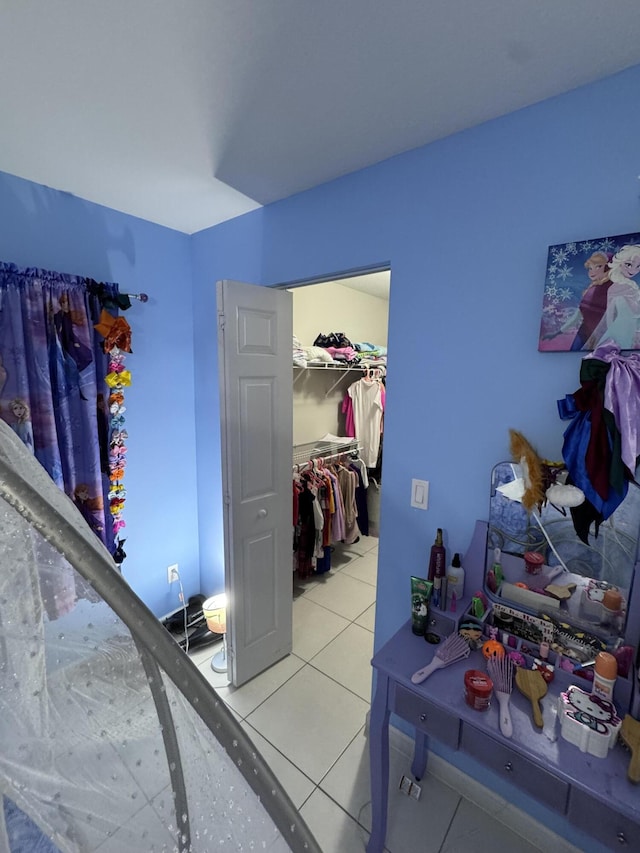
(52,387)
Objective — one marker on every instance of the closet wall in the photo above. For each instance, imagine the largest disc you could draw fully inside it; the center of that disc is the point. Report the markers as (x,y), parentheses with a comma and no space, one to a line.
(324,308)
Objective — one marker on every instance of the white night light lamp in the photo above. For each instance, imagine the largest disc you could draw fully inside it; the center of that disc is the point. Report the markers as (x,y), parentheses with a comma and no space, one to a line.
(215,612)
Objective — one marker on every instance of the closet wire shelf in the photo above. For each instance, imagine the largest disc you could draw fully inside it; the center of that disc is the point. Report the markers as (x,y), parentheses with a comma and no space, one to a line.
(323,450)
(328,367)
(334,367)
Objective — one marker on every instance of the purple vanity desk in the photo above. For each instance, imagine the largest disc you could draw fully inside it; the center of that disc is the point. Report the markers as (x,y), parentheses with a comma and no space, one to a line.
(592,793)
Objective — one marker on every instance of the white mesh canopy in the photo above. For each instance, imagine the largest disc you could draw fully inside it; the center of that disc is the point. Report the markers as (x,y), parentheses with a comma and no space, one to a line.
(110,738)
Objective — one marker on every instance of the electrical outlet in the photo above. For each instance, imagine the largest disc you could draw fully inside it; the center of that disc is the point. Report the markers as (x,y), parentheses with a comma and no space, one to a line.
(172,573)
(410,788)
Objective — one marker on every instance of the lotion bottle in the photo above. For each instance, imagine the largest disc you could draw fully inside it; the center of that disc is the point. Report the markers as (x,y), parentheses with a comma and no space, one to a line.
(604,676)
(455,581)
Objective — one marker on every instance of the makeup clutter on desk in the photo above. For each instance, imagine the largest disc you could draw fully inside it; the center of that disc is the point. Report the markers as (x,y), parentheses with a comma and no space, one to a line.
(584,712)
(548,606)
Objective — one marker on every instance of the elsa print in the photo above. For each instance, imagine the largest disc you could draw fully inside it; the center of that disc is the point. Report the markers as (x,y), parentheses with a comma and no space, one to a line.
(623,300)
(22,426)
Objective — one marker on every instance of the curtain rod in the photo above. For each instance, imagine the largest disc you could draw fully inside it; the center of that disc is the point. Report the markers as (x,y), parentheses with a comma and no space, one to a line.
(142,297)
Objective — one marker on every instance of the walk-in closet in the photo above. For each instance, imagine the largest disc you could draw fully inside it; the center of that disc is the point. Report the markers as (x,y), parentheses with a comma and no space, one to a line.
(339,398)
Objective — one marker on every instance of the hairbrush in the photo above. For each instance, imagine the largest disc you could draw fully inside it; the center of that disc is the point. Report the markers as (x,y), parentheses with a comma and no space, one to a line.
(630,736)
(453,649)
(500,671)
(532,685)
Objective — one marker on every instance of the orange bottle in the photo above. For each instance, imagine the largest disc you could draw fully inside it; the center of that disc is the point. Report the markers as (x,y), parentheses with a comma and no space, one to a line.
(604,676)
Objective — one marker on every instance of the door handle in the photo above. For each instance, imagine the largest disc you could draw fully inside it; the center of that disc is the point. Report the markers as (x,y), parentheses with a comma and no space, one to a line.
(262,513)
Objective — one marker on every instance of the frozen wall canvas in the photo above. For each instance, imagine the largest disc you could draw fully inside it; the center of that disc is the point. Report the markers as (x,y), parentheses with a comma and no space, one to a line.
(591,294)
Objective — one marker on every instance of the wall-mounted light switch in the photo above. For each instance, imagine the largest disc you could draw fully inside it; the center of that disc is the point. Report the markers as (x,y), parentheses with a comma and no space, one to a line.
(420,494)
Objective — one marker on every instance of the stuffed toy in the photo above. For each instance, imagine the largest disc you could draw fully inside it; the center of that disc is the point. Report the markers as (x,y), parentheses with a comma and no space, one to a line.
(531,466)
(542,481)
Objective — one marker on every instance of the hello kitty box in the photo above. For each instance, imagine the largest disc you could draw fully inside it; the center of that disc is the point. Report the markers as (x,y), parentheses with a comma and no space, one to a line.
(588,722)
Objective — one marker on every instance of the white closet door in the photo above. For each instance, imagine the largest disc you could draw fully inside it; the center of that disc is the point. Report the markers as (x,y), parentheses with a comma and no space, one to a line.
(255,357)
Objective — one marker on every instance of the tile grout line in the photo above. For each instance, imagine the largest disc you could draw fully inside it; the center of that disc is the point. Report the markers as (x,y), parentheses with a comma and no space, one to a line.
(274,691)
(359,825)
(328,643)
(333,639)
(355,818)
(374,585)
(286,758)
(344,687)
(335,613)
(451,822)
(359,732)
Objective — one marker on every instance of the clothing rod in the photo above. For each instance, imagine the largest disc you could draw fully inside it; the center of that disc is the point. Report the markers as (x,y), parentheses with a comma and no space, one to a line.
(309,453)
(324,458)
(328,365)
(345,367)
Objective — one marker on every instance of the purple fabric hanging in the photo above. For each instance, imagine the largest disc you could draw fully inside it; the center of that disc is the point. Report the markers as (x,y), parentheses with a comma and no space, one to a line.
(53,393)
(622,398)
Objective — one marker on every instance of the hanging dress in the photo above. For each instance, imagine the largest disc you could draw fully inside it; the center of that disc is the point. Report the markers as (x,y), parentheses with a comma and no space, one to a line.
(367,400)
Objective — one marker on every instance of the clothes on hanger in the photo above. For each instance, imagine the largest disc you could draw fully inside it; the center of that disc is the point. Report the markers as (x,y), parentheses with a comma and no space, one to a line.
(329,506)
(363,407)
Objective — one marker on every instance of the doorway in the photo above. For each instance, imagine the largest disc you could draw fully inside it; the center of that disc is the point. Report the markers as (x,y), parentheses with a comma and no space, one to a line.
(309,708)
(333,615)
(356,307)
(255,349)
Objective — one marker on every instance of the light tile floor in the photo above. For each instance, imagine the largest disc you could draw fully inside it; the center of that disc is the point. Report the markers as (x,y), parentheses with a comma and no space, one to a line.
(307,716)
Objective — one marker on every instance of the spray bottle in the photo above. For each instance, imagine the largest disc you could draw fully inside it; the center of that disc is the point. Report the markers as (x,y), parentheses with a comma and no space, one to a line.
(437,570)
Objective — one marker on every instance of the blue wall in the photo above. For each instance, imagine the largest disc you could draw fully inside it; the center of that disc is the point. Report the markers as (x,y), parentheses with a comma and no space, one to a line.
(40,227)
(465,224)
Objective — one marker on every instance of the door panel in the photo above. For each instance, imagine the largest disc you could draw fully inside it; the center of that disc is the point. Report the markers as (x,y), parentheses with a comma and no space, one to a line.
(260,613)
(256,403)
(257,475)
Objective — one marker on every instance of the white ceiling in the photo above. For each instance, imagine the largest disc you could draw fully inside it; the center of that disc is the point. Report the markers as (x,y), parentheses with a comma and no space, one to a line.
(190,112)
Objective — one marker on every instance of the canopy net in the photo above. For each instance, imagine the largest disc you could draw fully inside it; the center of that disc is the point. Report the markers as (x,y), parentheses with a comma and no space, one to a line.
(112,740)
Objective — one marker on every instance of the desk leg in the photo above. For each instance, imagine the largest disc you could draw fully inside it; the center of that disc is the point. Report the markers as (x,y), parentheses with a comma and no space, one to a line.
(379,764)
(420,755)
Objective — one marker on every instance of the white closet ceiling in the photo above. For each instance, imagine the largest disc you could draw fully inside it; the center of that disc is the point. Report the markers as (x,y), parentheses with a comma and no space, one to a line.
(375,284)
(190,112)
